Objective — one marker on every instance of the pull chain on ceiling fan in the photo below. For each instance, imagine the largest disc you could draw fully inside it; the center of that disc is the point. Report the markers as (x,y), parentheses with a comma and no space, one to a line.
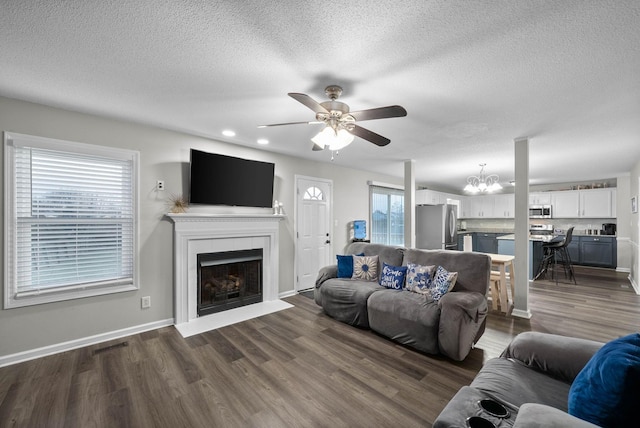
(340,123)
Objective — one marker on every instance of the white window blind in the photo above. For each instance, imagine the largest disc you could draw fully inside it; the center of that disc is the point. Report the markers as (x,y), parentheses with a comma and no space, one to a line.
(73,220)
(387,215)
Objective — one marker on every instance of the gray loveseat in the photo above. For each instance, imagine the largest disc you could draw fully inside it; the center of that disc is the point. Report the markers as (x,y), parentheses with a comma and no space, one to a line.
(449,326)
(531,379)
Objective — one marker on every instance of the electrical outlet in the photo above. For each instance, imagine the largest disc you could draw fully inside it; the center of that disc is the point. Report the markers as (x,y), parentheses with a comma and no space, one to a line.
(160,185)
(146,302)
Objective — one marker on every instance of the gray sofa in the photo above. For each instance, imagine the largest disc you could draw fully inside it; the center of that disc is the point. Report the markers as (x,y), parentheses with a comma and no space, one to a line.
(449,326)
(531,379)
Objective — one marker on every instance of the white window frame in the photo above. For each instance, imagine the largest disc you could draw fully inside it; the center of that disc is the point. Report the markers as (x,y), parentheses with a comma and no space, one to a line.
(383,189)
(13,299)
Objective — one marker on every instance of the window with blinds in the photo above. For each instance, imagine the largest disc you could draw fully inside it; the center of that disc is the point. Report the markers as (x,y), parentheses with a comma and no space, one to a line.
(70,220)
(387,216)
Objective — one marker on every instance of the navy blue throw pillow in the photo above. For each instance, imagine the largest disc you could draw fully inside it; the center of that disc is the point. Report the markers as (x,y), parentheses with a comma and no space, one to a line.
(606,390)
(393,276)
(345,265)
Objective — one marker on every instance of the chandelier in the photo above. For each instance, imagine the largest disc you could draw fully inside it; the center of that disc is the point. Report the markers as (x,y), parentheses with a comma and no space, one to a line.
(483,183)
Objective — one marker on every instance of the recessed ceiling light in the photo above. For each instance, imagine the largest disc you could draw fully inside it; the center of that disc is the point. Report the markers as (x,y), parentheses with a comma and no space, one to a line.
(228,133)
(263,141)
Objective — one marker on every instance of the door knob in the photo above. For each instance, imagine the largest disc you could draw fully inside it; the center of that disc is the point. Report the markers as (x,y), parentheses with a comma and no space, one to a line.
(327,242)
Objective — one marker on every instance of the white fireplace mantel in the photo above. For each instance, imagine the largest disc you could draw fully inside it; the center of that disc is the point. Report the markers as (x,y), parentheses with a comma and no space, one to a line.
(196,233)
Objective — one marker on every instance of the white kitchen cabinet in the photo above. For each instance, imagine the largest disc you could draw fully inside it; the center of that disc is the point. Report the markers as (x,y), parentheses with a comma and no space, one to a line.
(565,204)
(480,206)
(504,205)
(589,203)
(597,203)
(464,210)
(540,198)
(430,197)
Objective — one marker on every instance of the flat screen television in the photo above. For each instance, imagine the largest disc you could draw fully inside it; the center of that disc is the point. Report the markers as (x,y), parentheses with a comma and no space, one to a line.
(225,180)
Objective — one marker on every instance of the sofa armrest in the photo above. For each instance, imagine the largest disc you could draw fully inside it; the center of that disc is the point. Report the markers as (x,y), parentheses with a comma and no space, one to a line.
(533,415)
(462,314)
(559,356)
(326,273)
(468,302)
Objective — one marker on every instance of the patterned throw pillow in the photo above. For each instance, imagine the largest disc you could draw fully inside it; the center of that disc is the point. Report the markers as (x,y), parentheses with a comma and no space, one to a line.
(365,267)
(393,276)
(419,278)
(443,282)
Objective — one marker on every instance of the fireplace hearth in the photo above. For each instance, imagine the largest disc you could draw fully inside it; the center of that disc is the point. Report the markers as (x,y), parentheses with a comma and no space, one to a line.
(228,280)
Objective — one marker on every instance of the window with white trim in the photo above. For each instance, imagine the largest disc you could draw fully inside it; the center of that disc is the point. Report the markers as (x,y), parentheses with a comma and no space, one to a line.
(387,215)
(70,220)
(313,194)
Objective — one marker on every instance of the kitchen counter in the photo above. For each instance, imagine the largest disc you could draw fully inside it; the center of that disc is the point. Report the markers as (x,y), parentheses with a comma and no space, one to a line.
(537,238)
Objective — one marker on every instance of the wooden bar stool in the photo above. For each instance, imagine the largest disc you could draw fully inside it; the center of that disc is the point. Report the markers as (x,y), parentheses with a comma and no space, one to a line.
(498,291)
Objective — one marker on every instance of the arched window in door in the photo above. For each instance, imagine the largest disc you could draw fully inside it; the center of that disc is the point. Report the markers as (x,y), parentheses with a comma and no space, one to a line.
(313,194)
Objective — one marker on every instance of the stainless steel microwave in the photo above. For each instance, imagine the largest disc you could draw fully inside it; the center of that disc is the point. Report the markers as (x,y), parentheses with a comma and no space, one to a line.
(539,211)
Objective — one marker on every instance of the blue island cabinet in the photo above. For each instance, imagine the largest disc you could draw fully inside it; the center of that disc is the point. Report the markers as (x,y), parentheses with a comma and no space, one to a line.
(506,245)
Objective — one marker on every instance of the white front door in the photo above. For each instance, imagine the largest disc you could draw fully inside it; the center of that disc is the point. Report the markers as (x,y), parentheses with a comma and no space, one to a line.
(313,229)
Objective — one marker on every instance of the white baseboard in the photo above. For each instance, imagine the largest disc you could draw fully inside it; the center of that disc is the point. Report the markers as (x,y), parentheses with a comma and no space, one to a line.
(634,285)
(286,294)
(623,270)
(32,354)
(521,314)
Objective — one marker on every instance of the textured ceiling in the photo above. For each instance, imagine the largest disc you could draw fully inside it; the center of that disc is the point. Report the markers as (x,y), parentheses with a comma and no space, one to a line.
(473,76)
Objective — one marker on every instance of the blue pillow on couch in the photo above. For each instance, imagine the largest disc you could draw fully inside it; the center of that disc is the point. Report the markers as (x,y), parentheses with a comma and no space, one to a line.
(606,390)
(345,265)
(392,276)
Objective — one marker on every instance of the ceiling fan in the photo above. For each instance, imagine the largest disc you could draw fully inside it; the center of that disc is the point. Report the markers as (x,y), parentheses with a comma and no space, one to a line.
(340,123)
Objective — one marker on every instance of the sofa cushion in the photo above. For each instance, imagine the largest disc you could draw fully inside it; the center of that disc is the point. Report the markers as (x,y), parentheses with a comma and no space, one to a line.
(346,300)
(419,278)
(393,276)
(408,318)
(443,282)
(606,391)
(512,382)
(365,268)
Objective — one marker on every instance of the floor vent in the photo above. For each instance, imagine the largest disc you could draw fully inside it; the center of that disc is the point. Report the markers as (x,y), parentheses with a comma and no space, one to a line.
(110,347)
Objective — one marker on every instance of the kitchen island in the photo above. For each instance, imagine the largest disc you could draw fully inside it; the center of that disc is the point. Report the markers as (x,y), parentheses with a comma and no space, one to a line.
(506,245)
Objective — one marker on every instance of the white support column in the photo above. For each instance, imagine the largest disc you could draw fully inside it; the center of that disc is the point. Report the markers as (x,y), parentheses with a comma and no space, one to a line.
(521,298)
(409,204)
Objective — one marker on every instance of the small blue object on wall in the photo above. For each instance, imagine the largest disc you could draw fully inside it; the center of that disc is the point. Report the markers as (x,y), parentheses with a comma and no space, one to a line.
(359,229)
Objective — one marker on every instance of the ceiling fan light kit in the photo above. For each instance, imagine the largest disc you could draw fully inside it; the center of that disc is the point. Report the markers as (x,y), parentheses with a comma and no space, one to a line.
(340,124)
(333,139)
(483,183)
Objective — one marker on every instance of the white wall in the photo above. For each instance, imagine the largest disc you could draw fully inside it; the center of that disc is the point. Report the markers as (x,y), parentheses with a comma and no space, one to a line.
(165,156)
(634,227)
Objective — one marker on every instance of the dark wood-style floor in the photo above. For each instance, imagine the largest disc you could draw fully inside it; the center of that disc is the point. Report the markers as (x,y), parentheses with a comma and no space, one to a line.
(294,368)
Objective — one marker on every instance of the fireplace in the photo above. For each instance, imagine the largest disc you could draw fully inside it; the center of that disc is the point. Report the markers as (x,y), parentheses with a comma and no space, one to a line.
(202,233)
(228,280)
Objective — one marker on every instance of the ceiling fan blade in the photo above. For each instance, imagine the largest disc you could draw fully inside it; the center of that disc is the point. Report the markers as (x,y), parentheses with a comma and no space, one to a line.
(308,101)
(290,123)
(317,148)
(379,113)
(371,136)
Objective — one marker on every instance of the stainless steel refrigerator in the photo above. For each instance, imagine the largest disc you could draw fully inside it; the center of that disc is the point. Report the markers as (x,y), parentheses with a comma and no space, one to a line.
(436,227)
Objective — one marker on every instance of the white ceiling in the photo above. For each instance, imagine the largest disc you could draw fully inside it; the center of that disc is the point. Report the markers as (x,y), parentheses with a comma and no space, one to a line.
(473,76)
